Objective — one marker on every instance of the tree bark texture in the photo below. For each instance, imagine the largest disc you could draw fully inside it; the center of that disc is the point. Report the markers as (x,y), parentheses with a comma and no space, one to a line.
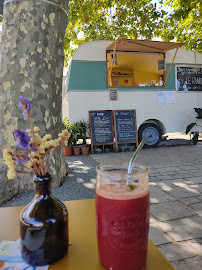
(31,65)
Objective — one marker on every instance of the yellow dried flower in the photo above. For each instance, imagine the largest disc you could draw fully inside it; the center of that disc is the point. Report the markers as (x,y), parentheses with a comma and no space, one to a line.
(29,164)
(63,137)
(38,139)
(7,155)
(11,173)
(46,146)
(33,155)
(34,138)
(35,149)
(11,164)
(35,160)
(47,137)
(53,143)
(8,159)
(36,129)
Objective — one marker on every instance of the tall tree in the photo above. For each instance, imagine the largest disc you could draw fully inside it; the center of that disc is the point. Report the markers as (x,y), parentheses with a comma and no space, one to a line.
(184,23)
(31,65)
(111,19)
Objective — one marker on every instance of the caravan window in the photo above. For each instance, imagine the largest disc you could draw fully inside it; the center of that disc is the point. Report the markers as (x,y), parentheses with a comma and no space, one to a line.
(135,69)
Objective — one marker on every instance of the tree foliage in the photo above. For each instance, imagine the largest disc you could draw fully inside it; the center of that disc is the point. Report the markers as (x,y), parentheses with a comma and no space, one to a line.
(140,19)
(184,23)
(111,19)
(136,19)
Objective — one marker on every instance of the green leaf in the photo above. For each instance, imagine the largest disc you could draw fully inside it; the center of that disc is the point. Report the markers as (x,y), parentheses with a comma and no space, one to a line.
(199,112)
(132,187)
(195,138)
(189,127)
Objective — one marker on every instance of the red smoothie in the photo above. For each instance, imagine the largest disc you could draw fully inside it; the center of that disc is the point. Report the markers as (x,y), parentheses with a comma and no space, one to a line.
(122,226)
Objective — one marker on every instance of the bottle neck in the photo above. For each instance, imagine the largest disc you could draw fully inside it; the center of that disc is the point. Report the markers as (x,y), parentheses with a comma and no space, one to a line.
(43,185)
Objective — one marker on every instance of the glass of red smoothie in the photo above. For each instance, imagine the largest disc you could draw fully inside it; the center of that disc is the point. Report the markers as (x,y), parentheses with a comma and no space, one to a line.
(122,216)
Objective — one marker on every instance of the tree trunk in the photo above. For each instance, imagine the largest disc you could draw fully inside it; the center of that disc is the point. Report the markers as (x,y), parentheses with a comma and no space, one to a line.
(31,65)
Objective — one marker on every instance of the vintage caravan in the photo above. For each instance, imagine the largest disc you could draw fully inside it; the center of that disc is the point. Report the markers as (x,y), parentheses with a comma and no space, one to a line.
(160,80)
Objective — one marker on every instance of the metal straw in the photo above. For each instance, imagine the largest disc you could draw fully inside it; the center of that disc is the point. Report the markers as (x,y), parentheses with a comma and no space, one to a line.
(130,166)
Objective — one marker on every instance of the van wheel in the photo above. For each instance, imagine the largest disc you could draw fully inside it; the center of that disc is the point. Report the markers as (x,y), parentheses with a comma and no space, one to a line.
(151,132)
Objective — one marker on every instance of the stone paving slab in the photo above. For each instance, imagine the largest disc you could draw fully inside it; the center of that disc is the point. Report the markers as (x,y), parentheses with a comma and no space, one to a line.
(163,177)
(194,263)
(195,179)
(198,187)
(190,200)
(184,192)
(184,228)
(197,245)
(197,206)
(171,210)
(177,251)
(199,197)
(152,218)
(159,196)
(157,235)
(164,185)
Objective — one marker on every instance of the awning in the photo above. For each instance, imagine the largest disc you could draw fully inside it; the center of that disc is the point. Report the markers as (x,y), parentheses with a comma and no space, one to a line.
(131,45)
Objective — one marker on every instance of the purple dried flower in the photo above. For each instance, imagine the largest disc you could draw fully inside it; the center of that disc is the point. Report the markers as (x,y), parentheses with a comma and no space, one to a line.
(25,105)
(22,160)
(32,149)
(23,138)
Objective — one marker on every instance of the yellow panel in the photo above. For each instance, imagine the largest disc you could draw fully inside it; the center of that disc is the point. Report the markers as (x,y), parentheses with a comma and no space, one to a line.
(144,68)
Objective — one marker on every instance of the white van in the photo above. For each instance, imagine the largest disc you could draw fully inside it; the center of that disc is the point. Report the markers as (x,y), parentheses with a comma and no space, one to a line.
(162,86)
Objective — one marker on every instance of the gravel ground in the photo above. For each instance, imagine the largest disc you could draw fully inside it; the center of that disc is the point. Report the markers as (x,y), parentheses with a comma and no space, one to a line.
(79,185)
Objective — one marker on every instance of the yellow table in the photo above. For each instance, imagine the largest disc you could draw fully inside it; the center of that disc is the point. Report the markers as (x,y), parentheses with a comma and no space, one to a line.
(82,255)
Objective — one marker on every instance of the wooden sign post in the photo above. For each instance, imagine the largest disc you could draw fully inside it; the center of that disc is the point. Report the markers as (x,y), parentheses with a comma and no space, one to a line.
(125,127)
(101,128)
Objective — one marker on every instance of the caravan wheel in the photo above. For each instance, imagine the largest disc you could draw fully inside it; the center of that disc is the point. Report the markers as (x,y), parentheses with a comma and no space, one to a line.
(152,133)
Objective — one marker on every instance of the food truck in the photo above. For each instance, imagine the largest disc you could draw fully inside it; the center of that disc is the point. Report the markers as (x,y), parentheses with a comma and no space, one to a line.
(160,80)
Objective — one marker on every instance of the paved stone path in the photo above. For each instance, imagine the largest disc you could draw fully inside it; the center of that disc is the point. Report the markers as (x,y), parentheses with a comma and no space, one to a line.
(176,201)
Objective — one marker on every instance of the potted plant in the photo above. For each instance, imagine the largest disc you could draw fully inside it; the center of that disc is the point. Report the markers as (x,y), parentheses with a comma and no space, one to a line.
(107,150)
(116,150)
(130,148)
(67,125)
(123,148)
(98,150)
(83,128)
(75,131)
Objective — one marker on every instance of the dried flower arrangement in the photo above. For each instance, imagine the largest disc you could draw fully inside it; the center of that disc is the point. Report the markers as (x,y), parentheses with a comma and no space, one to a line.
(33,153)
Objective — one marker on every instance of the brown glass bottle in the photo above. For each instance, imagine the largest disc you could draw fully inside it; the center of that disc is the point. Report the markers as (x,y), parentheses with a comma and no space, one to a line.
(44,226)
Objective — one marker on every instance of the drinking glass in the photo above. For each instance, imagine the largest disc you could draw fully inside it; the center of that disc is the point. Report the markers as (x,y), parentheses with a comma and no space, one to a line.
(122,216)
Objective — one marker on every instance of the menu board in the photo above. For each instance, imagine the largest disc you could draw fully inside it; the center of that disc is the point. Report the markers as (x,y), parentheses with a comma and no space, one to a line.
(113,94)
(1,7)
(188,78)
(125,126)
(101,127)
(161,65)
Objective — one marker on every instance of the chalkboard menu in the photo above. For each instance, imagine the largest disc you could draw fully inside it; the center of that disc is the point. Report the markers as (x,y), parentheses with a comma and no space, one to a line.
(125,126)
(188,78)
(1,7)
(113,94)
(161,65)
(101,128)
